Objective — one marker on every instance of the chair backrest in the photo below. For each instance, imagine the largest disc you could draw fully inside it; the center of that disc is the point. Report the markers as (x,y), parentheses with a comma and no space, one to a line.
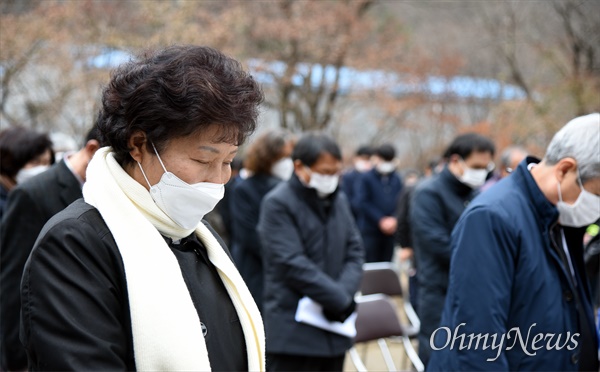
(380,277)
(376,318)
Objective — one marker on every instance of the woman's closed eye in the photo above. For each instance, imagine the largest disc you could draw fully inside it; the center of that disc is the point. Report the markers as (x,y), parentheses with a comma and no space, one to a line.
(205,162)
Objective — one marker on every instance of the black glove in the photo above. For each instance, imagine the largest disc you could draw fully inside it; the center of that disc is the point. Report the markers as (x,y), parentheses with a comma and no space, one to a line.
(340,316)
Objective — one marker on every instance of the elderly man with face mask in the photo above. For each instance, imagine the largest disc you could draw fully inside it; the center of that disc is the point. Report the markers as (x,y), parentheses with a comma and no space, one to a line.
(517,265)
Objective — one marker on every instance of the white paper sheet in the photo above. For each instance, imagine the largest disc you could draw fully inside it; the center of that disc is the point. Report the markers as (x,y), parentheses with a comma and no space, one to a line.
(310,312)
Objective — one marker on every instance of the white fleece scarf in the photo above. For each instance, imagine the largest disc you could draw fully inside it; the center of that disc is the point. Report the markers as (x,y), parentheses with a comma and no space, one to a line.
(166,330)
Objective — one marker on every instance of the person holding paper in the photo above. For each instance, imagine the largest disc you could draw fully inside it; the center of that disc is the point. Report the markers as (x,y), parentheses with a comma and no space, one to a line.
(312,256)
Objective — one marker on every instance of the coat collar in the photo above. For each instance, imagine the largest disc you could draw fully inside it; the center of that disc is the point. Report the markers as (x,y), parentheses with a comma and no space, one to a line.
(458,187)
(319,205)
(69,183)
(545,211)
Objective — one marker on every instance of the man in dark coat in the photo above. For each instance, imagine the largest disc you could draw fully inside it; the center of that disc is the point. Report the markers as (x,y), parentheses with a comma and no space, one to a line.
(404,233)
(517,272)
(436,206)
(311,248)
(30,205)
(376,200)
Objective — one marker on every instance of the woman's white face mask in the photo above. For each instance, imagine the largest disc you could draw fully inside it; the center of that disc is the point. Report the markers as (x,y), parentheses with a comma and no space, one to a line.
(585,211)
(283,168)
(185,204)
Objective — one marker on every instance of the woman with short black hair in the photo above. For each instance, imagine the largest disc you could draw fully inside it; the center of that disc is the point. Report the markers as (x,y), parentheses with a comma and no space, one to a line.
(130,277)
(268,160)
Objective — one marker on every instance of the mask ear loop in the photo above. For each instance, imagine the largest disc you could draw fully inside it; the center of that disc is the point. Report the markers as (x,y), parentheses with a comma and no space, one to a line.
(579,180)
(464,164)
(161,163)
(159,159)
(559,191)
(308,169)
(144,174)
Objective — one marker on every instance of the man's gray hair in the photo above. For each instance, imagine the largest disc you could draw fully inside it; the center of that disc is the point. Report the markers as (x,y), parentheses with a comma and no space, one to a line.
(578,139)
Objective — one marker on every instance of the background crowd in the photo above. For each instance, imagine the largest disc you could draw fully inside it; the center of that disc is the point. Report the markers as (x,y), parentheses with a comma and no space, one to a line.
(369,148)
(297,224)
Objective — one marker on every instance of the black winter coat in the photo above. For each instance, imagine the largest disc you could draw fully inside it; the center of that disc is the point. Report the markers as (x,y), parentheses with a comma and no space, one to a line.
(436,206)
(75,309)
(30,205)
(310,247)
(245,210)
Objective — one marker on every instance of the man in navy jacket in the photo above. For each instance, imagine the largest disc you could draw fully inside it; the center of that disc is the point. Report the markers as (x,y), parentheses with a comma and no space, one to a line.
(518,297)
(376,200)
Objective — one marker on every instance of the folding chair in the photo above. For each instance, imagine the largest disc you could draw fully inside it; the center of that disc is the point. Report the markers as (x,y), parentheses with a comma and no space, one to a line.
(382,277)
(377,319)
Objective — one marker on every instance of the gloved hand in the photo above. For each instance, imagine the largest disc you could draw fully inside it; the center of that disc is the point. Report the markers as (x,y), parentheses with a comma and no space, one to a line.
(340,316)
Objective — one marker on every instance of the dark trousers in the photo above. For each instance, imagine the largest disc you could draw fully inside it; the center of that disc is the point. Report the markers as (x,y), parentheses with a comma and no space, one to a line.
(413,291)
(431,305)
(284,362)
(378,247)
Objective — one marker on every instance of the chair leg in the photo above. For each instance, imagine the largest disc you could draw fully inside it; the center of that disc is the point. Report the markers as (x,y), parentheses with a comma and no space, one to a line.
(387,356)
(404,362)
(412,316)
(358,363)
(364,352)
(412,354)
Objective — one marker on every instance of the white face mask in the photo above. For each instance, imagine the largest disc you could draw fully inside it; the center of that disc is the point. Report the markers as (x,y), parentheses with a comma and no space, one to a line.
(585,211)
(185,204)
(363,165)
(324,184)
(27,173)
(283,168)
(473,178)
(386,167)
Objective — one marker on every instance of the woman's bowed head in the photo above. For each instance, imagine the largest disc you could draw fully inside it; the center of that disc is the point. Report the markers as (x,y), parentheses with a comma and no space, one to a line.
(172,121)
(176,117)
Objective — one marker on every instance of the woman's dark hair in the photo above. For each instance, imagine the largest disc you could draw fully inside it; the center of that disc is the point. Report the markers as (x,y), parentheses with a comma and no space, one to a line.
(19,146)
(386,152)
(464,145)
(175,92)
(265,151)
(312,145)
